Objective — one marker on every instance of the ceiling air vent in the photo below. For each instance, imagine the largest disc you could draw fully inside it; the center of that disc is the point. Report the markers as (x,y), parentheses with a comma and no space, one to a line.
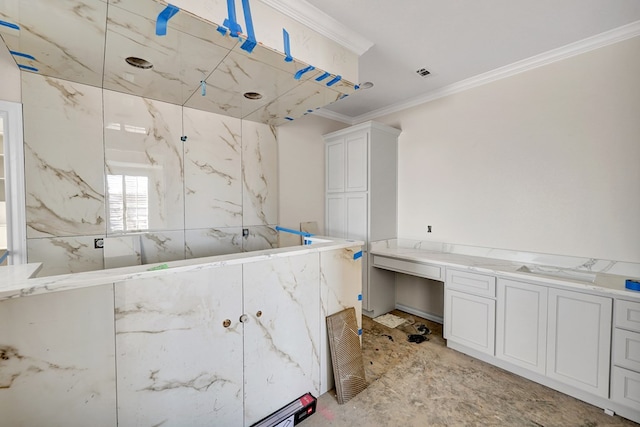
(423,72)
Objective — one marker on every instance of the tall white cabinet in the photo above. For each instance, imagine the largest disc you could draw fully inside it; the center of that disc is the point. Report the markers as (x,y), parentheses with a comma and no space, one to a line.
(361,200)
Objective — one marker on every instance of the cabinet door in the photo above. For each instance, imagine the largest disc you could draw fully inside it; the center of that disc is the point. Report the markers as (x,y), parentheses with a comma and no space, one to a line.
(356,162)
(356,216)
(335,162)
(579,340)
(470,320)
(335,216)
(177,363)
(282,333)
(521,326)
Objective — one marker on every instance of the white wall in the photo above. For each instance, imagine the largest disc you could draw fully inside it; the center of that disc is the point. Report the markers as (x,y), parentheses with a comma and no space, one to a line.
(301,173)
(545,161)
(10,81)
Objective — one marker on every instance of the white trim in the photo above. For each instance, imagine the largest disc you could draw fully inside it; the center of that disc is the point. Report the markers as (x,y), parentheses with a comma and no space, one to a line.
(601,40)
(420,313)
(11,112)
(312,17)
(328,114)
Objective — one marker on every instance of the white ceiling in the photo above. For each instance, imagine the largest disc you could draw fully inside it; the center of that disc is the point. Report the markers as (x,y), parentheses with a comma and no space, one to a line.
(459,39)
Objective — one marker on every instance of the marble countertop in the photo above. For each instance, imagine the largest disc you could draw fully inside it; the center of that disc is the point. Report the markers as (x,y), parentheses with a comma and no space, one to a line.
(16,281)
(519,266)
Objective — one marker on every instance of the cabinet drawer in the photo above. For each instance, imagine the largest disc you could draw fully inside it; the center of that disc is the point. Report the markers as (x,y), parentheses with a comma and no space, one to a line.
(415,268)
(628,315)
(625,387)
(626,350)
(474,283)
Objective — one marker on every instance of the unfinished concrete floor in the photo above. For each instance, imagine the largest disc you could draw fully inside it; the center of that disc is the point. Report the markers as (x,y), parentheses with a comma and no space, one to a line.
(428,384)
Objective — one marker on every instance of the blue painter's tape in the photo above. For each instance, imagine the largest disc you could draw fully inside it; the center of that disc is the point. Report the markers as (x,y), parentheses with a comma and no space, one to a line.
(287,46)
(289,118)
(28,68)
(356,87)
(250,43)
(24,55)
(304,70)
(231,22)
(634,285)
(322,76)
(359,297)
(4,257)
(359,331)
(10,25)
(222,30)
(357,255)
(163,19)
(289,230)
(335,80)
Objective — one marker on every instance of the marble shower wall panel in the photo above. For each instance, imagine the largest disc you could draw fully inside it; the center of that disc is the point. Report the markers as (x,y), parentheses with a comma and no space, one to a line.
(144,164)
(260,174)
(213,170)
(162,246)
(281,298)
(57,359)
(177,364)
(62,255)
(64,160)
(337,266)
(260,237)
(212,241)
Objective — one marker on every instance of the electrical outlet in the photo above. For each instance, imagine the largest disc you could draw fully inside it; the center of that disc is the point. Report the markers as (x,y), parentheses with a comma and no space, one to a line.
(98,243)
(428,229)
(245,232)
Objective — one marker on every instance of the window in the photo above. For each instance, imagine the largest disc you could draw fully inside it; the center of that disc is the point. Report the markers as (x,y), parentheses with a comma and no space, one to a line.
(128,202)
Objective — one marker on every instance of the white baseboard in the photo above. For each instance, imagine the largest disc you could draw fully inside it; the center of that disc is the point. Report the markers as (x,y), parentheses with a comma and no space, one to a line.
(423,314)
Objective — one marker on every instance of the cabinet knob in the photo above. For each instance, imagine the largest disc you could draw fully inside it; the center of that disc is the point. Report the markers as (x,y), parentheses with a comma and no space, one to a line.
(259,313)
(226,323)
(244,318)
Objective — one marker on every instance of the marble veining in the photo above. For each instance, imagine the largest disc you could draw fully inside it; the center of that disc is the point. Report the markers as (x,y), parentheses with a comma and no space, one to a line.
(213,241)
(259,174)
(63,158)
(213,170)
(60,255)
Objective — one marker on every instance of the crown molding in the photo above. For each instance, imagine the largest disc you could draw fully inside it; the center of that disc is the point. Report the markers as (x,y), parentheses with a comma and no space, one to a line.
(591,43)
(332,115)
(312,17)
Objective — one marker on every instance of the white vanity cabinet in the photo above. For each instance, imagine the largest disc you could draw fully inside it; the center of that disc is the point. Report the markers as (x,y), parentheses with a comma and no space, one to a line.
(361,199)
(521,331)
(625,369)
(470,310)
(579,340)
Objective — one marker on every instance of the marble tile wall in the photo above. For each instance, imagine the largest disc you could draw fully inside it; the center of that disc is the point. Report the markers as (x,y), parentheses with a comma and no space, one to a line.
(100,163)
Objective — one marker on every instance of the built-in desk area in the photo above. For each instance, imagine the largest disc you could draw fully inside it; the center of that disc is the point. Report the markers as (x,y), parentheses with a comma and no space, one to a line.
(565,322)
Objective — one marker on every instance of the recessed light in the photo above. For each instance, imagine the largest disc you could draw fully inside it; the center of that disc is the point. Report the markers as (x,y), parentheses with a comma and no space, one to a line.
(365,85)
(253,95)
(139,63)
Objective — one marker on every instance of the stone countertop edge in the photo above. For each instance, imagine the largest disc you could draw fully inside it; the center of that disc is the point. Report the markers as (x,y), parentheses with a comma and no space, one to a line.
(20,285)
(604,283)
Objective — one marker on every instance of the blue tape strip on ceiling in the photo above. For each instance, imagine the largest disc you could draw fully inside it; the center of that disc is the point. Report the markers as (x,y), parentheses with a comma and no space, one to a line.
(323,76)
(9,24)
(304,70)
(23,55)
(163,19)
(287,46)
(231,22)
(335,80)
(250,43)
(28,68)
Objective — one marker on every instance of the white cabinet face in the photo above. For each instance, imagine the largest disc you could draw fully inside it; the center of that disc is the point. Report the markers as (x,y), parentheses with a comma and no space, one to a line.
(470,320)
(356,162)
(579,340)
(177,364)
(521,327)
(356,216)
(335,216)
(335,166)
(282,333)
(625,387)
